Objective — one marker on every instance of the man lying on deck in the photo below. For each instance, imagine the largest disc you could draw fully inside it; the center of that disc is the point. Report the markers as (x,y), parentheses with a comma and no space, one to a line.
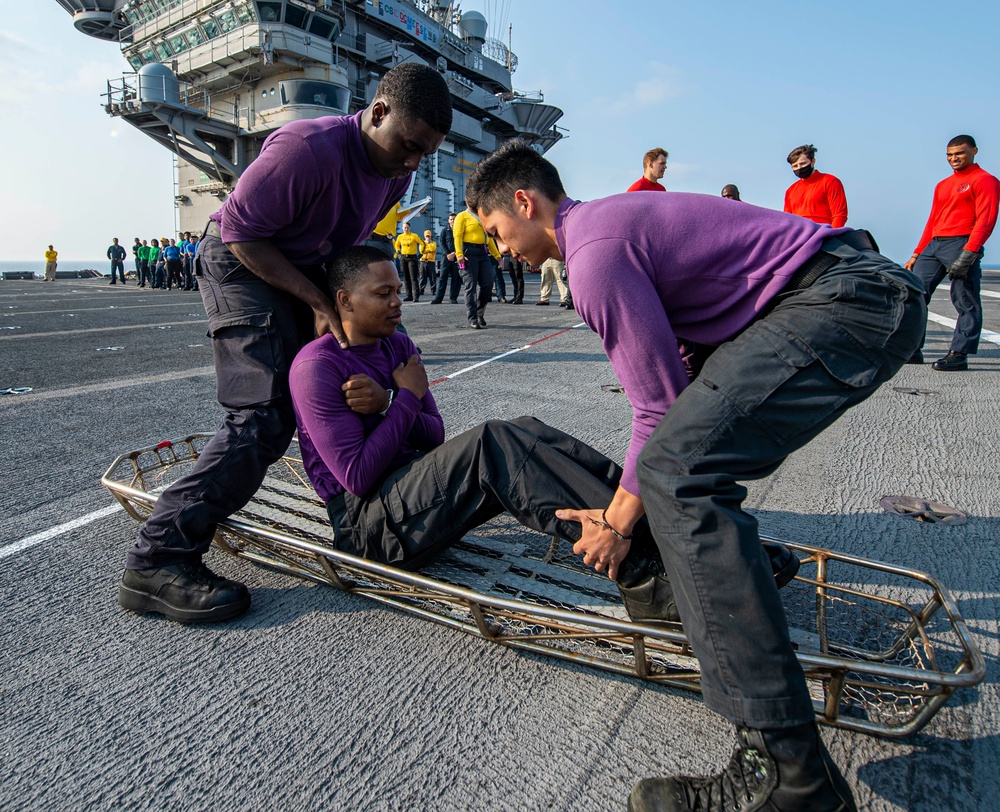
(373,445)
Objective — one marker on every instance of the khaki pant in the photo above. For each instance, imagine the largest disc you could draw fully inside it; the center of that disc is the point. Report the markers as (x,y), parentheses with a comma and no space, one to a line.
(552,270)
(50,271)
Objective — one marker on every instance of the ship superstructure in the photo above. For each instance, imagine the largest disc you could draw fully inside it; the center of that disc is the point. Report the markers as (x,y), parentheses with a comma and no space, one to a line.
(211,79)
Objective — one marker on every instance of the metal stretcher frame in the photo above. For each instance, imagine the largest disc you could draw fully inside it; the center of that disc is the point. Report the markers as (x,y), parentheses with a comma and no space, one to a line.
(880,662)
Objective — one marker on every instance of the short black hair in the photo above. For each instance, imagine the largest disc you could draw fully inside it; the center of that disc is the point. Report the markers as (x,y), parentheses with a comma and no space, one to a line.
(344,270)
(961,140)
(512,166)
(806,149)
(419,92)
(732,189)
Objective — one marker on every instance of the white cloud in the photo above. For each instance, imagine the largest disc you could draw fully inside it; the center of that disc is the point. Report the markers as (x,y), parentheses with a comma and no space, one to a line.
(660,83)
(32,76)
(12,47)
(681,170)
(16,57)
(663,84)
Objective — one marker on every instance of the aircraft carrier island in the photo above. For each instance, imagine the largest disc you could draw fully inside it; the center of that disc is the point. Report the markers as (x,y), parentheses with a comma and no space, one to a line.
(211,79)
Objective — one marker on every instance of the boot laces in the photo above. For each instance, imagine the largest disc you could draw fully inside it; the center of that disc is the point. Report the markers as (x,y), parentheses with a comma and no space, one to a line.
(736,788)
(199,573)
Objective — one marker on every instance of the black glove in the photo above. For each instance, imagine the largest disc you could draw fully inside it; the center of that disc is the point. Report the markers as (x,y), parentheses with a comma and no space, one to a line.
(959,269)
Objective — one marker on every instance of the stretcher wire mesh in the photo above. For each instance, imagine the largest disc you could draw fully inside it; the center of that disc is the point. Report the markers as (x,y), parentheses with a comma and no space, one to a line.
(883,647)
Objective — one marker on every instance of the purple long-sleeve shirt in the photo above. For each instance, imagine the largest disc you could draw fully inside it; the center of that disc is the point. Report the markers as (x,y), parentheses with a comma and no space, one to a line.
(312,191)
(647,268)
(343,450)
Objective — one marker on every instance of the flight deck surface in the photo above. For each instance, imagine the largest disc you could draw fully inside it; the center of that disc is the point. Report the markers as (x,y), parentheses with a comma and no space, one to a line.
(322,699)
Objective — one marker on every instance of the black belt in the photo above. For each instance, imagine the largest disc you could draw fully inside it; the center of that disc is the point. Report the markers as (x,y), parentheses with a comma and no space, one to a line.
(814,267)
(859,239)
(314,273)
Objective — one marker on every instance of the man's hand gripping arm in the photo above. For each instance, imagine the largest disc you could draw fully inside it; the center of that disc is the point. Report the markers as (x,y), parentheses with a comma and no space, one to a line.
(263,259)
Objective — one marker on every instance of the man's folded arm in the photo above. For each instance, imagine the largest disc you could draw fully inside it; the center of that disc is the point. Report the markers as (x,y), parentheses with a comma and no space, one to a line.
(358,462)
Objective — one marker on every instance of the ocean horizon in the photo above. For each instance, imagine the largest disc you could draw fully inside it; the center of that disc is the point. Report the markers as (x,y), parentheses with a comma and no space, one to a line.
(103,266)
(38,266)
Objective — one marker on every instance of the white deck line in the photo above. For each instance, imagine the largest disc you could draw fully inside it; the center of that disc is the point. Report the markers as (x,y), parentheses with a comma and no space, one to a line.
(58,530)
(84,330)
(985,335)
(67,527)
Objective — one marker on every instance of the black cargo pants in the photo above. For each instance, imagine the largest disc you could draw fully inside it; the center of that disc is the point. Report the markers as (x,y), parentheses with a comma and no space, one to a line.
(818,352)
(522,466)
(256,330)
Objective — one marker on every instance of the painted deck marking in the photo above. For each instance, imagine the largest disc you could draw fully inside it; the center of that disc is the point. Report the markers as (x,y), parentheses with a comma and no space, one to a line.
(82,521)
(985,335)
(58,530)
(502,355)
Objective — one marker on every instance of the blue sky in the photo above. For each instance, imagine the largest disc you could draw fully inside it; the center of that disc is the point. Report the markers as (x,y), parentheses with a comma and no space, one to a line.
(728,88)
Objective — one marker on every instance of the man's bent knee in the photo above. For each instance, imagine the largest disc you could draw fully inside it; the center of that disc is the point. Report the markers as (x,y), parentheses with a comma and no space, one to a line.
(272,427)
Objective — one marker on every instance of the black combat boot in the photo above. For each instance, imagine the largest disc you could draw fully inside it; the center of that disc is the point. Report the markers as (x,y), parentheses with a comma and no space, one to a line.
(643,582)
(952,362)
(645,587)
(647,598)
(187,591)
(774,771)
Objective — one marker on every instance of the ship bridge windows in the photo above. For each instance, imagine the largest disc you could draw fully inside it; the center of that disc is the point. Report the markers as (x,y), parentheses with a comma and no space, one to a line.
(314,92)
(207,27)
(228,21)
(194,35)
(142,11)
(269,12)
(210,27)
(188,38)
(317,20)
(296,15)
(178,42)
(322,27)
(232,18)
(138,12)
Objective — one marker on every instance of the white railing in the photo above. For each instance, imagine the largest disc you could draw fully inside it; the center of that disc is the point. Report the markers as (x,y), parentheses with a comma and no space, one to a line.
(128,93)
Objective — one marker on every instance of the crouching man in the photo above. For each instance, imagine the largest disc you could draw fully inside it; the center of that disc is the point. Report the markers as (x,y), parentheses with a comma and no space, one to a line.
(808,321)
(372,443)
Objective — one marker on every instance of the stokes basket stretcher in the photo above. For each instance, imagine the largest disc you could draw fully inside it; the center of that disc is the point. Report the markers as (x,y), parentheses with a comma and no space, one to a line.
(883,647)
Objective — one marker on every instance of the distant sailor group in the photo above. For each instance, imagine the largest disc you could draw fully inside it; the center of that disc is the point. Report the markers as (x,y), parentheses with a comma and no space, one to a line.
(963,216)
